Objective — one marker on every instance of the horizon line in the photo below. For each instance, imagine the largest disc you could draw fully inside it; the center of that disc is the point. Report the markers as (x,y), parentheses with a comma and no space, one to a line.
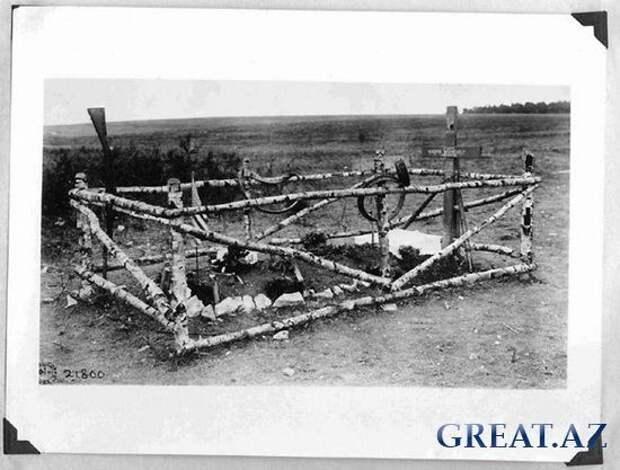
(258,116)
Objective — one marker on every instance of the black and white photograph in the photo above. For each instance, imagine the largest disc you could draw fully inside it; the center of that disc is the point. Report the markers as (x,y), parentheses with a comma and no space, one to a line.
(304,233)
(322,234)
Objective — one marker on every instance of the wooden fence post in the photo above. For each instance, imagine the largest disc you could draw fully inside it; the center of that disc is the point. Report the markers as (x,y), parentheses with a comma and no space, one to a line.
(179,292)
(383,223)
(527,212)
(244,177)
(451,217)
(178,282)
(85,242)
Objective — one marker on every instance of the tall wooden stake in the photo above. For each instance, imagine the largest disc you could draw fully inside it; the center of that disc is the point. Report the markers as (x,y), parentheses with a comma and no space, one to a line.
(527,210)
(244,177)
(451,218)
(383,223)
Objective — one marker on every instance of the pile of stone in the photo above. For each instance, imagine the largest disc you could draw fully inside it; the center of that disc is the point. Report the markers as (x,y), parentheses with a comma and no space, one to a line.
(248,304)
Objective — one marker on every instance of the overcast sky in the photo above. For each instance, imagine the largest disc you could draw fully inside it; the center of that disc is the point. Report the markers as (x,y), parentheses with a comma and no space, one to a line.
(66,100)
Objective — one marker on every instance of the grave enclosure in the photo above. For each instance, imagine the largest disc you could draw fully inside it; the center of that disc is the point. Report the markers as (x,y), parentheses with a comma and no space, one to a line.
(171,302)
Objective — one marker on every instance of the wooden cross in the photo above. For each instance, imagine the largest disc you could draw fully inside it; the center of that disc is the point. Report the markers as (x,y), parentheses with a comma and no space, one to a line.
(452,154)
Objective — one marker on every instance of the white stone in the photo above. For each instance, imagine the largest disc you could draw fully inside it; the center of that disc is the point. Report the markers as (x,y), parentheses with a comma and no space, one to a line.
(281,335)
(262,302)
(289,300)
(228,306)
(337,291)
(248,305)
(250,258)
(326,294)
(208,312)
(194,306)
(220,254)
(389,307)
(288,371)
(70,301)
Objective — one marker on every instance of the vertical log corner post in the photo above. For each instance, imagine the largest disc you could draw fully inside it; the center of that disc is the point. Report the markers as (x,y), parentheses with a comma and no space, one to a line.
(244,181)
(383,223)
(451,216)
(178,291)
(527,213)
(85,242)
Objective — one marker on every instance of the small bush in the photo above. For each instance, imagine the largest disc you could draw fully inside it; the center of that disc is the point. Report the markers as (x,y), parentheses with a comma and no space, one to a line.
(274,288)
(314,240)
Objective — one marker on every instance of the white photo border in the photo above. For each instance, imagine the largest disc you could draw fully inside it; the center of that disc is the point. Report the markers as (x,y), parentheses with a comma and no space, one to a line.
(334,46)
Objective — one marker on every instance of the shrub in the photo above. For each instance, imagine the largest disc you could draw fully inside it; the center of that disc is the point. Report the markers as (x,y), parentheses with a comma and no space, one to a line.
(134,164)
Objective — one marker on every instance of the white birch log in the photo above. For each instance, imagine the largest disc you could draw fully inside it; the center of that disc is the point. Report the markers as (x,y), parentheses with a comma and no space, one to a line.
(382,220)
(125,296)
(258,180)
(120,202)
(484,176)
(231,183)
(245,181)
(159,211)
(179,291)
(499,249)
(348,305)
(151,290)
(527,214)
(340,193)
(526,230)
(85,242)
(452,247)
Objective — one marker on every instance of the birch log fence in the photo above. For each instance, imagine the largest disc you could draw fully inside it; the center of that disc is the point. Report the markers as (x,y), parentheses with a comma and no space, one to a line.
(169,302)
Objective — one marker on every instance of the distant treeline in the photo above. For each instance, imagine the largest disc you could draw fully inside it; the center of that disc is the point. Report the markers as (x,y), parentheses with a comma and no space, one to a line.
(556,107)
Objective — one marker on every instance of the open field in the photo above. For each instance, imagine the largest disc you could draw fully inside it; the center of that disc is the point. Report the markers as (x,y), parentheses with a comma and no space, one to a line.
(497,334)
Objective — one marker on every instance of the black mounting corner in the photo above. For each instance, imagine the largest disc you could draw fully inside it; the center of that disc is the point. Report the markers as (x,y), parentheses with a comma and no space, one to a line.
(11,444)
(592,456)
(598,19)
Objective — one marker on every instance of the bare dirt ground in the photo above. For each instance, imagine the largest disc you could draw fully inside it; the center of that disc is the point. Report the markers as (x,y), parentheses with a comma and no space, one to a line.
(499,334)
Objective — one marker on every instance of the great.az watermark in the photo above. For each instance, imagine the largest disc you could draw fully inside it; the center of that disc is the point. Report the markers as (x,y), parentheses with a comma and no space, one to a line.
(532,435)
